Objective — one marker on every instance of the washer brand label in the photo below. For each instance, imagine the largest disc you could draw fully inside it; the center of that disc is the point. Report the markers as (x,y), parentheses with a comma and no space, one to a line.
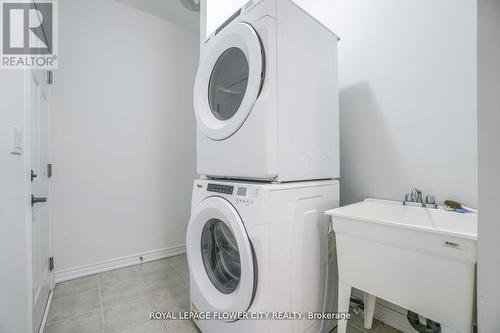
(451,244)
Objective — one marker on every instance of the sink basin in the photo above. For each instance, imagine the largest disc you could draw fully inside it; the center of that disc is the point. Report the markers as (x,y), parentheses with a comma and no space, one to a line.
(422,259)
(393,213)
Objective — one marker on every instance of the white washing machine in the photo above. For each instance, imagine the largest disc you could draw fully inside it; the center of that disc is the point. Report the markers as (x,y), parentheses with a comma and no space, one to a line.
(265,96)
(259,247)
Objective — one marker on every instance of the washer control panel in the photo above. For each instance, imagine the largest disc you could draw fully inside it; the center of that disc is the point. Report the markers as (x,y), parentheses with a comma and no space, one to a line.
(245,195)
(250,5)
(219,188)
(244,201)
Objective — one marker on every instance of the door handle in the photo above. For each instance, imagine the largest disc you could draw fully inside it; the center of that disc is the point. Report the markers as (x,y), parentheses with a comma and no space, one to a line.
(35,200)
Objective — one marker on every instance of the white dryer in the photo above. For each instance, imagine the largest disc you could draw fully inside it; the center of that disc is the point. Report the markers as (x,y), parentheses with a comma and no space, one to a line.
(257,247)
(265,97)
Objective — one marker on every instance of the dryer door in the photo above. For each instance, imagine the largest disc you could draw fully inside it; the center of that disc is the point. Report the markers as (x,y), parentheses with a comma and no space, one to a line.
(228,81)
(220,257)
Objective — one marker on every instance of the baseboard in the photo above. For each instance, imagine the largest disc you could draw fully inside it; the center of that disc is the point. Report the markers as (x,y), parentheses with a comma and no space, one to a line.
(86,270)
(393,316)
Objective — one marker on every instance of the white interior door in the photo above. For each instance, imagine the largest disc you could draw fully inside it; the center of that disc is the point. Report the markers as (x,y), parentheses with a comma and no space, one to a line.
(41,249)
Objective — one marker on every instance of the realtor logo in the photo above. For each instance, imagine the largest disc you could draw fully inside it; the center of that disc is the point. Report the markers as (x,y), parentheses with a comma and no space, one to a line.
(29,34)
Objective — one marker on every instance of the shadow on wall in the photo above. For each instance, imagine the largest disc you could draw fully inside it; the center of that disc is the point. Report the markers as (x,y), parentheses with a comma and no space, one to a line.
(370,163)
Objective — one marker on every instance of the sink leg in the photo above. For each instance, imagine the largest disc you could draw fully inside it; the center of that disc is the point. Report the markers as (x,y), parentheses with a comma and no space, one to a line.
(344,300)
(369,309)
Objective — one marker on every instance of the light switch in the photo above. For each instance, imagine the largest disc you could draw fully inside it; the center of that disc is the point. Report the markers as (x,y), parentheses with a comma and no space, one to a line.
(17,141)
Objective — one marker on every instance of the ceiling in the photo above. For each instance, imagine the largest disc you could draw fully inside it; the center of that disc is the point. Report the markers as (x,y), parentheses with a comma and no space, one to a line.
(171,10)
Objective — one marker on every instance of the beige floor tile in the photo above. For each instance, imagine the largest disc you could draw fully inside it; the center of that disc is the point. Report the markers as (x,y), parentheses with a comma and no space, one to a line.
(182,326)
(170,290)
(112,293)
(66,288)
(71,305)
(178,263)
(350,329)
(171,299)
(120,316)
(180,257)
(158,272)
(173,304)
(130,294)
(150,326)
(87,323)
(118,275)
(161,280)
(358,322)
(182,270)
(384,328)
(154,267)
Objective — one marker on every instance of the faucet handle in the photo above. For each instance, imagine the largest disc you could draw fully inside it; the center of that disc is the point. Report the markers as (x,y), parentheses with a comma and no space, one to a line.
(416,195)
(430,202)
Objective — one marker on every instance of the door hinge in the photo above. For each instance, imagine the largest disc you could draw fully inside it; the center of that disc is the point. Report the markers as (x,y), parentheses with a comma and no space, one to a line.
(50,77)
(49,170)
(51,264)
(33,175)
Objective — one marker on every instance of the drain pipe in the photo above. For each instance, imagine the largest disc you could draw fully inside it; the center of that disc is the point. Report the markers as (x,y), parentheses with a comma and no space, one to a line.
(431,327)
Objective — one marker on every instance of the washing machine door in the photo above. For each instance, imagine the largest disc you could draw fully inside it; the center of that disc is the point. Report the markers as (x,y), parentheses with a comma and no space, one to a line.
(220,257)
(228,81)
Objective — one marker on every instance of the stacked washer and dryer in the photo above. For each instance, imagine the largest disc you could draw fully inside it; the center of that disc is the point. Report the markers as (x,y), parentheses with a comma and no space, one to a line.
(266,105)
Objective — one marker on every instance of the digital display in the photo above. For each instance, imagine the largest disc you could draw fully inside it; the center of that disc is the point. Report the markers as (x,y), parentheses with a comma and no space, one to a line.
(242,191)
(219,188)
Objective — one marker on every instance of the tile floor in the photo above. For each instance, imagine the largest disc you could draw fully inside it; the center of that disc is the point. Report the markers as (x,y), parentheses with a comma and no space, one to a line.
(355,325)
(120,301)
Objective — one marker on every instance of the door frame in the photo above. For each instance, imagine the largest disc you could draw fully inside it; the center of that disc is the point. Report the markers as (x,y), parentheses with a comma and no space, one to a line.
(28,190)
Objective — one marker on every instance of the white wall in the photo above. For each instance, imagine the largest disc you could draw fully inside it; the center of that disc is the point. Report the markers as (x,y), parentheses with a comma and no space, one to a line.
(123,133)
(408,99)
(15,272)
(489,165)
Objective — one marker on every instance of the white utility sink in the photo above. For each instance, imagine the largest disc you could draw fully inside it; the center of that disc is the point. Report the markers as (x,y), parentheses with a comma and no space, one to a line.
(422,259)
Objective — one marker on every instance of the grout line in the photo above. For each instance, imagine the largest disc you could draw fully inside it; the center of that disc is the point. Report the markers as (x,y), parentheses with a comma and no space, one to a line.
(105,328)
(74,315)
(150,297)
(72,294)
(185,282)
(70,317)
(177,273)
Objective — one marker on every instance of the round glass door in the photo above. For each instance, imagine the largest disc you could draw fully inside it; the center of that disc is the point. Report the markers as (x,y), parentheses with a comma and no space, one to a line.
(222,263)
(221,257)
(228,83)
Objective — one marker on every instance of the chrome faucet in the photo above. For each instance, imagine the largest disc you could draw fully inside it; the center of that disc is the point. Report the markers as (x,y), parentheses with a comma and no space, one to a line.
(416,195)
(430,202)
(414,199)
